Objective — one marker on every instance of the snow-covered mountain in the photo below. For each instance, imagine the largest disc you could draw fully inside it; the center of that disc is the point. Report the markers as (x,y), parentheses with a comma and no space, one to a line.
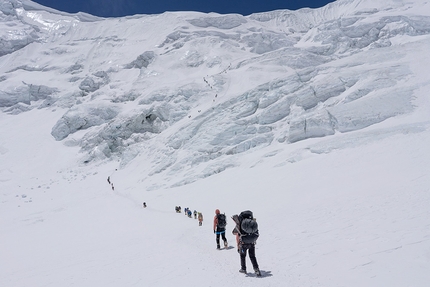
(188,92)
(312,116)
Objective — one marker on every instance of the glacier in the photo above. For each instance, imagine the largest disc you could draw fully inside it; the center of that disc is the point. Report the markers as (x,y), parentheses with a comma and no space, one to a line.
(227,83)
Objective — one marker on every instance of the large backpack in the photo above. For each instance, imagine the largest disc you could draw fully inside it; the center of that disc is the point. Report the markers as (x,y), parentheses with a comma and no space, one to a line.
(248,228)
(245,214)
(222,222)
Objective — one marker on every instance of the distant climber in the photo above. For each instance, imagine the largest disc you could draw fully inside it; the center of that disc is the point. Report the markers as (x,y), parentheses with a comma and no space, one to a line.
(200,218)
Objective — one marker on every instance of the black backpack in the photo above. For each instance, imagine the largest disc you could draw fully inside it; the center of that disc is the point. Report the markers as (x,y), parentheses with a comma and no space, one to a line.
(248,228)
(245,214)
(222,222)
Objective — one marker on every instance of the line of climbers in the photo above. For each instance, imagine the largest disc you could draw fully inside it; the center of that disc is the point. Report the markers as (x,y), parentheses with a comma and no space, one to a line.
(187,211)
(110,183)
(246,232)
(210,86)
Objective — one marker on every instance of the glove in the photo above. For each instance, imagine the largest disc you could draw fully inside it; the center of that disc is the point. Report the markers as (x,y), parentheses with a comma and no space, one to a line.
(238,250)
(214,231)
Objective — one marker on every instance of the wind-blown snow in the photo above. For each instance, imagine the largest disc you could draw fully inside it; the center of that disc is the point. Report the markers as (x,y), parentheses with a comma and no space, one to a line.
(316,119)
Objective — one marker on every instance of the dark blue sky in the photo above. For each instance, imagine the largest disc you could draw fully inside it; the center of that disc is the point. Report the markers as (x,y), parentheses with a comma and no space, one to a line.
(115,8)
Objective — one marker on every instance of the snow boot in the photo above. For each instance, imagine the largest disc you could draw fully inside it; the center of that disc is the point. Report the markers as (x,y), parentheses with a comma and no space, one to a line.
(257,272)
(242,270)
(225,244)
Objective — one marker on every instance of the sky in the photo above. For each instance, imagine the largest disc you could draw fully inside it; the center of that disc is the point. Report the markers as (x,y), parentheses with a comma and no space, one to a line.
(118,8)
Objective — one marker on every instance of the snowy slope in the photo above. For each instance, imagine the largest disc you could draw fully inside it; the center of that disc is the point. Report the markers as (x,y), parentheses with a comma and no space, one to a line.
(316,119)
